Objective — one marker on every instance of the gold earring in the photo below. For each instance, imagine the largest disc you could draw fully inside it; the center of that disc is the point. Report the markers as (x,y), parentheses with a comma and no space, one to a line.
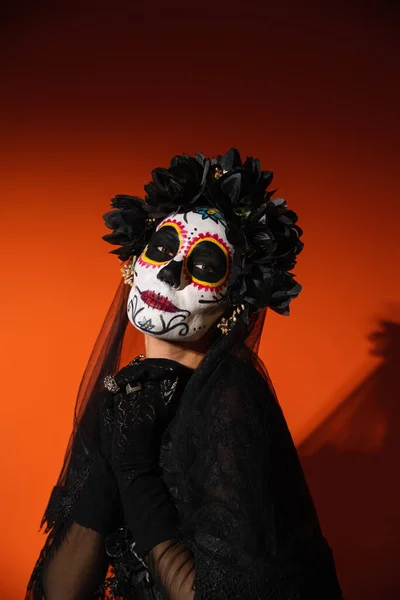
(226,324)
(128,271)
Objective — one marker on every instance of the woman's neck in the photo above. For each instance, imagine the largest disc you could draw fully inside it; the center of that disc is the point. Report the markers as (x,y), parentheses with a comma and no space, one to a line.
(189,354)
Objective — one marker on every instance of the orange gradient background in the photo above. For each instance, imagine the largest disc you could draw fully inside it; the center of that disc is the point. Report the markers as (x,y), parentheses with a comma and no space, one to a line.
(96,94)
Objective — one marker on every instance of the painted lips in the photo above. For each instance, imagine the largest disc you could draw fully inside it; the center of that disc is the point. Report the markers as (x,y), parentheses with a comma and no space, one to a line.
(157,301)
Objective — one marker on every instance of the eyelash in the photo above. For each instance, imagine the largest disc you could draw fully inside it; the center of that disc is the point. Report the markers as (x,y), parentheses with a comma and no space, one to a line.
(165,250)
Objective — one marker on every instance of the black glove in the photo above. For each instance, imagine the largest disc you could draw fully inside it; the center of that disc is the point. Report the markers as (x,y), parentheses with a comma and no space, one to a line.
(141,414)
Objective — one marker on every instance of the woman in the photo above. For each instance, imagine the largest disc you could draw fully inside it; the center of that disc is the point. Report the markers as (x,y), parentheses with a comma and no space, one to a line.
(181,480)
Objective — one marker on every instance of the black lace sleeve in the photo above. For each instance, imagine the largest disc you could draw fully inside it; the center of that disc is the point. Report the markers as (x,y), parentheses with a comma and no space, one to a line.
(77,563)
(77,568)
(172,568)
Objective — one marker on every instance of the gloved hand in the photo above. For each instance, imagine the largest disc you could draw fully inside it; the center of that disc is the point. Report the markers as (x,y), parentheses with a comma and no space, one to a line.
(141,414)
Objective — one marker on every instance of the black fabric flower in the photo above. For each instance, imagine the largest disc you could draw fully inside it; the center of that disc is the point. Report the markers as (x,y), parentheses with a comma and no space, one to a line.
(130,224)
(263,231)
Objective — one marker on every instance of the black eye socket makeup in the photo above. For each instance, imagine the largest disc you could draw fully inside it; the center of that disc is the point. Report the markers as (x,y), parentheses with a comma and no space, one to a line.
(163,245)
(207,262)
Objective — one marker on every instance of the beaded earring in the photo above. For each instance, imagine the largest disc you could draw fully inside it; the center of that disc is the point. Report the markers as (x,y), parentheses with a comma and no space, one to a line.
(226,324)
(128,271)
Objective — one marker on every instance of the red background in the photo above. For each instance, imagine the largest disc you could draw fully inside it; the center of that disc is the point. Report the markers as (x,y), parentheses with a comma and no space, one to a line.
(93,97)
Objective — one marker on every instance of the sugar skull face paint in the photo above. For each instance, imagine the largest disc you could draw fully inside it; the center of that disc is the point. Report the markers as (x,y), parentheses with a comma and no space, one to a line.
(181,277)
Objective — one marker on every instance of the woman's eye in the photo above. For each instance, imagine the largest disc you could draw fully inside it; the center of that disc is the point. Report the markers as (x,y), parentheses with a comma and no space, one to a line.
(203,267)
(164,250)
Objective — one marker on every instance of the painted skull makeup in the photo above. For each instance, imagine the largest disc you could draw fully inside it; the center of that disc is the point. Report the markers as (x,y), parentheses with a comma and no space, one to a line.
(181,277)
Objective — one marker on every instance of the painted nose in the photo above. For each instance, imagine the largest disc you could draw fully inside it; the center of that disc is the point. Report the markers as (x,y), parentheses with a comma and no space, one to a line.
(171,274)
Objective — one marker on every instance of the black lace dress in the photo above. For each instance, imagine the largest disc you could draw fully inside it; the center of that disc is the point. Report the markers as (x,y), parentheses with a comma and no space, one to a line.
(247,519)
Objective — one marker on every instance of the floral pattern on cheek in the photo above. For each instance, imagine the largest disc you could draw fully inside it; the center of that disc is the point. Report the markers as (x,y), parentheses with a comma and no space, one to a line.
(182,232)
(205,285)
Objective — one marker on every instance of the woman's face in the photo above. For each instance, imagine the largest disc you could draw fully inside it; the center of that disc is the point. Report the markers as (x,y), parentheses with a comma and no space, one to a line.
(181,277)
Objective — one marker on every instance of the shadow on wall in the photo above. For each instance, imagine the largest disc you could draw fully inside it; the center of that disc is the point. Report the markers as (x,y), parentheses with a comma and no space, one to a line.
(351,462)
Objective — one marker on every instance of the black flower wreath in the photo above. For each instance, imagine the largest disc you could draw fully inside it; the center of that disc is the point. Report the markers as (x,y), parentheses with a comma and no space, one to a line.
(262,229)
